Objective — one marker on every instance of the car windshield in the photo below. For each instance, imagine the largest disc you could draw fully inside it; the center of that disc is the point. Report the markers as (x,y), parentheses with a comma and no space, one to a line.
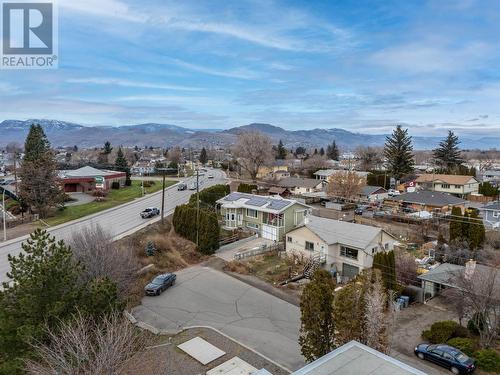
(157,280)
(147,210)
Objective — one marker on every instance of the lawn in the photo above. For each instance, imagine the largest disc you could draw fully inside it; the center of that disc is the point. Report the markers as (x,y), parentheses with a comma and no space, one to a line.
(114,198)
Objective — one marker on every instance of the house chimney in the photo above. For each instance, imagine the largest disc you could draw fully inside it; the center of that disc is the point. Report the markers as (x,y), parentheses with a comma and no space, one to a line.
(470,267)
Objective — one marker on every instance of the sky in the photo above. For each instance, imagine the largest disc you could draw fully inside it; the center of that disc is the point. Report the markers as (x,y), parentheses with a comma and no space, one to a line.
(359,65)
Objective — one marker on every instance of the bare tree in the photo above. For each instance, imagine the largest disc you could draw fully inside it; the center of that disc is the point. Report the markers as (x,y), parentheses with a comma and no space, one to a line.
(93,247)
(345,184)
(253,150)
(313,163)
(83,346)
(406,268)
(369,157)
(174,155)
(376,317)
(478,289)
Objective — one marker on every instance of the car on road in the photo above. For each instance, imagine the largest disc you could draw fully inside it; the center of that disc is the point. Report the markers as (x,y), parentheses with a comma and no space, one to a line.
(159,284)
(182,186)
(210,175)
(381,214)
(446,356)
(150,212)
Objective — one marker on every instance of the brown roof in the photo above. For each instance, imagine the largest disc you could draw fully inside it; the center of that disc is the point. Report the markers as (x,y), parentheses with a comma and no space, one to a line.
(446,178)
(292,182)
(277,190)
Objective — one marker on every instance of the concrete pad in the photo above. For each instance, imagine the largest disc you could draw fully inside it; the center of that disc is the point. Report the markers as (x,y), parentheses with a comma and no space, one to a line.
(201,350)
(235,366)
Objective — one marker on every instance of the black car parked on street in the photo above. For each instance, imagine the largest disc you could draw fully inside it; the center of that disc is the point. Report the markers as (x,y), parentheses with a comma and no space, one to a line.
(446,356)
(159,284)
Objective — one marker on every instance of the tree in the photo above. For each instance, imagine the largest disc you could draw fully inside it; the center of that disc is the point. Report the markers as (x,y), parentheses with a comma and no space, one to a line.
(398,152)
(107,148)
(122,165)
(332,151)
(345,184)
(376,317)
(281,151)
(406,268)
(45,288)
(317,324)
(456,224)
(349,313)
(300,151)
(476,232)
(448,155)
(246,188)
(322,151)
(253,150)
(39,188)
(174,155)
(85,346)
(385,262)
(203,156)
(487,189)
(369,157)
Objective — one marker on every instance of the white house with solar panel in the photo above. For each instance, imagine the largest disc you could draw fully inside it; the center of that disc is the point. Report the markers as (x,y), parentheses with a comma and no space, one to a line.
(269,217)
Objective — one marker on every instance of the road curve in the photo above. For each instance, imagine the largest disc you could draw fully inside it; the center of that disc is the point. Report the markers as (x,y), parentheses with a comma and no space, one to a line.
(118,221)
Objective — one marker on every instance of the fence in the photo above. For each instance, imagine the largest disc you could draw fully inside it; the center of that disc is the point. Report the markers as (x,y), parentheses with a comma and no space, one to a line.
(257,251)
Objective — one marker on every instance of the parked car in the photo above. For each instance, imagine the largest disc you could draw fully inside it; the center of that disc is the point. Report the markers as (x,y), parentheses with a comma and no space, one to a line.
(193,186)
(210,175)
(408,210)
(159,284)
(150,212)
(446,356)
(393,192)
(360,209)
(381,213)
(182,186)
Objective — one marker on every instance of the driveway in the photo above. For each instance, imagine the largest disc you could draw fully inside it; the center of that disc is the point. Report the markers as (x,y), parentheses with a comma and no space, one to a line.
(205,297)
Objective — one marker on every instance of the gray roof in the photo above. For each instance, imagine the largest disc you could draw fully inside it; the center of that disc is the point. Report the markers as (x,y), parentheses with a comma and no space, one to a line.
(355,358)
(349,234)
(330,172)
(494,206)
(86,172)
(368,190)
(491,173)
(274,204)
(298,182)
(431,198)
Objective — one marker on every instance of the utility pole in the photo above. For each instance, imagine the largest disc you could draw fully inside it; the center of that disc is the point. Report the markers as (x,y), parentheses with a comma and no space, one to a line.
(4,216)
(163,199)
(197,207)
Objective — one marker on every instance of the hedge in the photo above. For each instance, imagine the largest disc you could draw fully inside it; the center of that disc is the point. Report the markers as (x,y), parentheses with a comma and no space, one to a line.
(246,188)
(488,360)
(464,344)
(211,195)
(440,332)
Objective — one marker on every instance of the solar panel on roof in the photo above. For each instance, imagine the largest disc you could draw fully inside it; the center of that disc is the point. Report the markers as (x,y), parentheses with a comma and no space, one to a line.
(259,202)
(233,197)
(278,205)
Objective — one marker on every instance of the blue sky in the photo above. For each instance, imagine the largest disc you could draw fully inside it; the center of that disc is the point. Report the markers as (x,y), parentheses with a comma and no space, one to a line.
(359,65)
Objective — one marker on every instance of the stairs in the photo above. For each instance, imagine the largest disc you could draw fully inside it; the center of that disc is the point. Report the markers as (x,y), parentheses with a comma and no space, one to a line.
(312,265)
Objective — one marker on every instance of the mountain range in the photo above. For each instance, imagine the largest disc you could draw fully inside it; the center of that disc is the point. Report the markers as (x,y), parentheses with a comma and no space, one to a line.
(61,133)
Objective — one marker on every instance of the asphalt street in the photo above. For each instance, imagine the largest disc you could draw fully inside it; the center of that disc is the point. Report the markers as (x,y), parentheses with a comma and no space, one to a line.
(117,221)
(205,297)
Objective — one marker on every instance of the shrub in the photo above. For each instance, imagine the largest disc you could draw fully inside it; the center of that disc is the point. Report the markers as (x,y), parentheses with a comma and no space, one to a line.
(246,188)
(148,183)
(475,324)
(115,185)
(440,331)
(488,360)
(464,344)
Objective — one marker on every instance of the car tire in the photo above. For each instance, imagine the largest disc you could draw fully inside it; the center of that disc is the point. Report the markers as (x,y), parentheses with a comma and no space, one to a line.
(158,292)
(455,371)
(421,356)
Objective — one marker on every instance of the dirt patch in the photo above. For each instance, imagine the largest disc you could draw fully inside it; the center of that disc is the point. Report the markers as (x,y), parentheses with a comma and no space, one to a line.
(163,357)
(172,253)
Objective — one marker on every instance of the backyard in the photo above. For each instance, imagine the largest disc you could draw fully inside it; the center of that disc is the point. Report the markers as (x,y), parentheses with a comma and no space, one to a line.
(113,199)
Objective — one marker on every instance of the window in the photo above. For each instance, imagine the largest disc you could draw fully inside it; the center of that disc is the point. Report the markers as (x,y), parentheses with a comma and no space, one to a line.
(374,249)
(289,239)
(253,225)
(348,252)
(386,246)
(458,187)
(309,246)
(252,213)
(448,357)
(445,186)
(496,213)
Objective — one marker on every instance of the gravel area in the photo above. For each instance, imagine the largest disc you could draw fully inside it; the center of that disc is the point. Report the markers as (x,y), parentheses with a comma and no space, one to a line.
(164,358)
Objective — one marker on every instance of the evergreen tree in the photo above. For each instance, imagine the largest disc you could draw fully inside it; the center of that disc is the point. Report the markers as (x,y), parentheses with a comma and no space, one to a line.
(317,325)
(322,151)
(465,227)
(477,233)
(281,151)
(122,165)
(107,148)
(386,263)
(332,151)
(456,224)
(448,155)
(203,156)
(398,151)
(39,188)
(150,249)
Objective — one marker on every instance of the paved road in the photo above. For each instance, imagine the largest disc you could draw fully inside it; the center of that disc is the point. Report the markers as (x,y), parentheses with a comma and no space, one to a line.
(117,221)
(205,297)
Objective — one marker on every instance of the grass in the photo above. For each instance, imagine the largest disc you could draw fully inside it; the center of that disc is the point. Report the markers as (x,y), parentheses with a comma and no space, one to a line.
(272,268)
(113,199)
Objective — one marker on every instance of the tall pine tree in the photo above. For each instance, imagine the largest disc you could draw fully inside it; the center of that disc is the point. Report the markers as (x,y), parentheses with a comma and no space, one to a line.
(398,152)
(455,224)
(122,165)
(332,151)
(39,187)
(203,156)
(317,325)
(281,151)
(448,156)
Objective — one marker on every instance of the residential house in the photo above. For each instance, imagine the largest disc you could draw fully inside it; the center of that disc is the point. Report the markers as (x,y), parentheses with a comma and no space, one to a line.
(279,174)
(491,215)
(299,185)
(343,247)
(491,176)
(281,191)
(425,200)
(269,217)
(143,167)
(373,193)
(458,185)
(325,174)
(268,171)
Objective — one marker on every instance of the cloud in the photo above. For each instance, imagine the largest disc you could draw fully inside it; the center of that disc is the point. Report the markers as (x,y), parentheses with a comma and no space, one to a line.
(104,8)
(128,83)
(241,73)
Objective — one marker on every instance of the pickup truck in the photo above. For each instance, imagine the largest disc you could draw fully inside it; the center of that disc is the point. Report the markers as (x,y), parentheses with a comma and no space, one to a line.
(181,186)
(150,212)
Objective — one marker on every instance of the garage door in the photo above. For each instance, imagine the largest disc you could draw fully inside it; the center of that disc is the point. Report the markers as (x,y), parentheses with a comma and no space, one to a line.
(70,188)
(349,270)
(269,232)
